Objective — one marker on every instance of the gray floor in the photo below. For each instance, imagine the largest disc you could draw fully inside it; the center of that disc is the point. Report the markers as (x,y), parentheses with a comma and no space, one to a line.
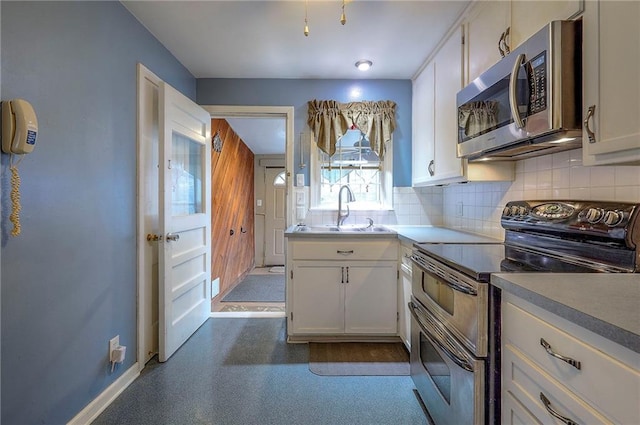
(241,371)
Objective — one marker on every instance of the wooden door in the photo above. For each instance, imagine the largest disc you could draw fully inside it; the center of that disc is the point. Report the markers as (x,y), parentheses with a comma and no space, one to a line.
(185,219)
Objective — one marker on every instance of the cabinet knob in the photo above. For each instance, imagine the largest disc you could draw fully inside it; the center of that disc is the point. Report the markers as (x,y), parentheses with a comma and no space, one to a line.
(431,168)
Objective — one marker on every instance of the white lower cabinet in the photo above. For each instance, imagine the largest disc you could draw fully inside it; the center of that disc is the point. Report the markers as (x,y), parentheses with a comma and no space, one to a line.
(404,295)
(554,371)
(337,297)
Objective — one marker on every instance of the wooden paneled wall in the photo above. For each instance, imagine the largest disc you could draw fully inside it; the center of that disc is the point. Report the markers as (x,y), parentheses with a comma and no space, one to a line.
(232,218)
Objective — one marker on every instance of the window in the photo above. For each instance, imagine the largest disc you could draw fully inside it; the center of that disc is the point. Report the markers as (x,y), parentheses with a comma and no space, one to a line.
(354,163)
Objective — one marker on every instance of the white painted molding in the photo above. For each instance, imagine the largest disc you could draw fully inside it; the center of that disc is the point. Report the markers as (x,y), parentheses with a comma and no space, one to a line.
(97,406)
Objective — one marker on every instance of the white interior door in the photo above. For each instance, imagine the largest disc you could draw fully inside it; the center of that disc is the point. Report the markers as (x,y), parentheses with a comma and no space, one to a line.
(275,216)
(185,219)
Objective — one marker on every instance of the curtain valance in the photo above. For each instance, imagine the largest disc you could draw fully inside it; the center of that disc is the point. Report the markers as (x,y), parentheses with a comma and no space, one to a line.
(329,120)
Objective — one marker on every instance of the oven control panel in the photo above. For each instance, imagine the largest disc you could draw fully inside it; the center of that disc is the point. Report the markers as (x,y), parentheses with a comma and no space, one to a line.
(614,220)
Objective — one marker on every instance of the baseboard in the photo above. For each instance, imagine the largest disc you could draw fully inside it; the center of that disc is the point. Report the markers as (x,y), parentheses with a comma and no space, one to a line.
(97,406)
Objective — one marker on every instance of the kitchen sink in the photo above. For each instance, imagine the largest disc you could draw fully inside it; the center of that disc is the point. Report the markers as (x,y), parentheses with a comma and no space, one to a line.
(353,228)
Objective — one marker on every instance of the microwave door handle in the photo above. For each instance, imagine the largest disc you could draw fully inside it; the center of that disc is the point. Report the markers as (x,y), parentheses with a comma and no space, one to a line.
(513,87)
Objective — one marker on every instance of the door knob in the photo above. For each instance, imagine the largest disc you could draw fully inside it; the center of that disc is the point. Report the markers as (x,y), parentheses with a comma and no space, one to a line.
(173,236)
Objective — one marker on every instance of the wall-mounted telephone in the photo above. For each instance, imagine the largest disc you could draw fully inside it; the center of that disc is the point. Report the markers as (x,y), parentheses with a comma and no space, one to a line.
(19,131)
(19,126)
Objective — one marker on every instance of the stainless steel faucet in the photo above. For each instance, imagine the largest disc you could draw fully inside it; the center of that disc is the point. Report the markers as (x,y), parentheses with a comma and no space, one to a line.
(350,198)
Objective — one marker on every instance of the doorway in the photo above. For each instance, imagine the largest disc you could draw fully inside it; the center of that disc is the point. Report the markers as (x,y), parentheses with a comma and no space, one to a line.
(148,208)
(272,188)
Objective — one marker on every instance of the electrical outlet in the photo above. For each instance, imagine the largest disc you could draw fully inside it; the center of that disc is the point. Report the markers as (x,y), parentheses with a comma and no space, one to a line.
(113,343)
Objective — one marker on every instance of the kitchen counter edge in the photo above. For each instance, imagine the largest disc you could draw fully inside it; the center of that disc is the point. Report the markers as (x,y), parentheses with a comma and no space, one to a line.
(604,303)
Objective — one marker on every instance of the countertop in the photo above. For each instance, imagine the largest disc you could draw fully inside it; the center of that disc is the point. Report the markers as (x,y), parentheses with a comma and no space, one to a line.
(436,234)
(604,303)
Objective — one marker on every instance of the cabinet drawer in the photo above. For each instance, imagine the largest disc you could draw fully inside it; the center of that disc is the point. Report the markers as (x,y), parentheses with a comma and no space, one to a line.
(526,382)
(603,382)
(345,250)
(514,413)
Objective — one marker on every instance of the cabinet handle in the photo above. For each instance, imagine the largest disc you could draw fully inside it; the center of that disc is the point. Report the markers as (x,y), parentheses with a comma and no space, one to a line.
(552,412)
(345,252)
(347,274)
(547,347)
(242,230)
(590,133)
(500,45)
(431,168)
(505,44)
(342,272)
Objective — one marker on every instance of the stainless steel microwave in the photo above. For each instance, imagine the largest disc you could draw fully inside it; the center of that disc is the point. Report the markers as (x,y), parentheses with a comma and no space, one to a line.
(529,103)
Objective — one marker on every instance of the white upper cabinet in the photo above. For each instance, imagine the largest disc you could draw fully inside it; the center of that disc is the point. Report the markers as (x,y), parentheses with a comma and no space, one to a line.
(494,28)
(422,123)
(485,26)
(448,82)
(611,83)
(435,122)
(528,17)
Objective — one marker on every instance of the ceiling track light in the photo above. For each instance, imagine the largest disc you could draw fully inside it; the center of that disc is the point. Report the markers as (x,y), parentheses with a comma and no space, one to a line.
(364,65)
(343,17)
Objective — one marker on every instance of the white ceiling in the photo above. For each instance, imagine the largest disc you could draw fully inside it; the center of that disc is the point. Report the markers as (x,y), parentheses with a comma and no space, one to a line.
(264,39)
(264,136)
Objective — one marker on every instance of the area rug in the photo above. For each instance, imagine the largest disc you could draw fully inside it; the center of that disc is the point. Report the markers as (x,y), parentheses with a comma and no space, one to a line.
(258,288)
(358,358)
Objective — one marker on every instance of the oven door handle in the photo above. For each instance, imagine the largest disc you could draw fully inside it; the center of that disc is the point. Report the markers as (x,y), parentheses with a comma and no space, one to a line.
(461,288)
(437,337)
(442,277)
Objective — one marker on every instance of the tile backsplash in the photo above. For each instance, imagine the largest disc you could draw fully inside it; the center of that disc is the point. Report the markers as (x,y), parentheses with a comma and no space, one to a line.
(476,207)
(557,176)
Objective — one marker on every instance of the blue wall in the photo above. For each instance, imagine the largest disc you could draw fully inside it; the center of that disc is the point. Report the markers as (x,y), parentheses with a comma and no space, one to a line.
(69,281)
(296,93)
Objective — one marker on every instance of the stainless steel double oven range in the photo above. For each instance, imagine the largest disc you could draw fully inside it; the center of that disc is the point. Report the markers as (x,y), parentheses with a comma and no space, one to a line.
(455,329)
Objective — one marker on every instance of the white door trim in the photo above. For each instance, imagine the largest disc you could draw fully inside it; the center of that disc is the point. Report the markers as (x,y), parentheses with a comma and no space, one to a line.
(286,112)
(147,118)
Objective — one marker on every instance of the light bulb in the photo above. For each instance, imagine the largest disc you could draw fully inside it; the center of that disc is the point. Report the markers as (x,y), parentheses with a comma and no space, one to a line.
(364,65)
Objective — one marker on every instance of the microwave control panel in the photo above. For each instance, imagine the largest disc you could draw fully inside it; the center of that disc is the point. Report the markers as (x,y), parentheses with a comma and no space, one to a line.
(538,84)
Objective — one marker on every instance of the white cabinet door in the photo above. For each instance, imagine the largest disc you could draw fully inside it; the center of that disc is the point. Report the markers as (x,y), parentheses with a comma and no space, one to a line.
(486,22)
(611,66)
(318,298)
(423,118)
(448,82)
(370,298)
(528,17)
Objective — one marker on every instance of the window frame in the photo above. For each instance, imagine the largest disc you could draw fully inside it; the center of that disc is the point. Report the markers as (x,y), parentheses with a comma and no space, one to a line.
(386,181)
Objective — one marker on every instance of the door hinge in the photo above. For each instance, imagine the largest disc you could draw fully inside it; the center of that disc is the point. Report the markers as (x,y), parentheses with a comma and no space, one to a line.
(397,316)
(291,274)
(291,315)
(398,274)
